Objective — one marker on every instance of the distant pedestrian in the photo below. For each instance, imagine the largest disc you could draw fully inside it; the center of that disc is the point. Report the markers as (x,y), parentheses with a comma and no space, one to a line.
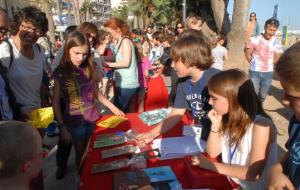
(262,52)
(219,52)
(252,28)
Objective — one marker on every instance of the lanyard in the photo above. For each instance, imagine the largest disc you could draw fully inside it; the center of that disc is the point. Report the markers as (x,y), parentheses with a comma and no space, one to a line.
(232,153)
(200,86)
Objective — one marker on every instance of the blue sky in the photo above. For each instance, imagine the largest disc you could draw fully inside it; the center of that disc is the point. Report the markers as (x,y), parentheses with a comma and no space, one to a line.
(288,10)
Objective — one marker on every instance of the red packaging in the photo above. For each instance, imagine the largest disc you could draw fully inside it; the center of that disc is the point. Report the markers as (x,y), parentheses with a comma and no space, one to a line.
(202,178)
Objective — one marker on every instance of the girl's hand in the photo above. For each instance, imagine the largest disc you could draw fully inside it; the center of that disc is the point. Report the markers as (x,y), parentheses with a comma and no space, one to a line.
(201,161)
(216,120)
(117,111)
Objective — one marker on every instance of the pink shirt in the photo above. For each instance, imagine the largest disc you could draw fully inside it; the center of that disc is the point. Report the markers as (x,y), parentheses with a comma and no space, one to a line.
(263,53)
(143,67)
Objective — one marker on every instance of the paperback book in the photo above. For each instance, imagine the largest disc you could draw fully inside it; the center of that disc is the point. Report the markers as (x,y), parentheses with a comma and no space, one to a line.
(111,139)
(108,166)
(134,180)
(122,150)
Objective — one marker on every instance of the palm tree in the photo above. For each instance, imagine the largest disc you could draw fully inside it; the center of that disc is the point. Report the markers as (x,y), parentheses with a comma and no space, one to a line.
(85,9)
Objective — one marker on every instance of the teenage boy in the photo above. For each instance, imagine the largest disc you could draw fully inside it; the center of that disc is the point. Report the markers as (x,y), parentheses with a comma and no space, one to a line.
(262,52)
(286,174)
(191,58)
(21,155)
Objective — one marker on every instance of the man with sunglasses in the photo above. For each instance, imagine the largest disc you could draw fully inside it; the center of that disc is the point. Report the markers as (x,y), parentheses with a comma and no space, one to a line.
(262,52)
(21,155)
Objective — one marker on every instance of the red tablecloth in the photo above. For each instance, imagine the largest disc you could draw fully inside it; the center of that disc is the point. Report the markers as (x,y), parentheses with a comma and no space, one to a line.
(105,180)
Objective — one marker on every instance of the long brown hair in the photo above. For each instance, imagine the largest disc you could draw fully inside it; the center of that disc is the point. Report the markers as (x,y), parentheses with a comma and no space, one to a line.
(76,39)
(243,102)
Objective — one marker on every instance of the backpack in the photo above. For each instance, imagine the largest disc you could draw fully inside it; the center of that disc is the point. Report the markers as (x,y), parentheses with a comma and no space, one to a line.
(16,107)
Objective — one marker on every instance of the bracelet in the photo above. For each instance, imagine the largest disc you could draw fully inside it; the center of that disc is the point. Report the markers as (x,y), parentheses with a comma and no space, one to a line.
(216,131)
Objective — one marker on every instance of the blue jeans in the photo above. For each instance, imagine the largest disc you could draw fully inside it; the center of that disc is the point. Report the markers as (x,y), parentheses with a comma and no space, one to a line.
(123,96)
(262,82)
(79,133)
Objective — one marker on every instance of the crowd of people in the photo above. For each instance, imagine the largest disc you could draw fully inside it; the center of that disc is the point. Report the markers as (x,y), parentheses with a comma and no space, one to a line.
(91,63)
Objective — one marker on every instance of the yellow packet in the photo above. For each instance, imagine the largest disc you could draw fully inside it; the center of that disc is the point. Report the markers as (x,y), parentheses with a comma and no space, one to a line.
(42,117)
(111,122)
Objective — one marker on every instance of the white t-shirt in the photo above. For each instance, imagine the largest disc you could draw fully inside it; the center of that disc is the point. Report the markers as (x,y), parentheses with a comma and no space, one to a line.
(263,53)
(218,54)
(24,75)
(241,156)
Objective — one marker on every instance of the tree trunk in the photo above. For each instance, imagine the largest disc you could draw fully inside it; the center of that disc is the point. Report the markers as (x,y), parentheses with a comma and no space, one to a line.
(236,37)
(76,11)
(48,9)
(219,9)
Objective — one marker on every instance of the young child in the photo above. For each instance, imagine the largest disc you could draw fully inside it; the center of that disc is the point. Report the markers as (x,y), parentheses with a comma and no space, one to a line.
(192,58)
(240,131)
(219,52)
(21,155)
(76,87)
(286,174)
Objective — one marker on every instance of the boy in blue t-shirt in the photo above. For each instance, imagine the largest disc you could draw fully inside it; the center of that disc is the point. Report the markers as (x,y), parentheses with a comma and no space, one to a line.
(191,56)
(286,174)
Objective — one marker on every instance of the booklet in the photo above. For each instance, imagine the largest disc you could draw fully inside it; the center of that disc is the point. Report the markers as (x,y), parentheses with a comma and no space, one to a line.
(178,147)
(111,122)
(108,166)
(153,117)
(130,180)
(122,150)
(163,178)
(111,139)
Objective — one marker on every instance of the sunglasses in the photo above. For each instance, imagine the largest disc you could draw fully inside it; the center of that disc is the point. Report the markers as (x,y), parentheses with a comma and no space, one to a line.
(252,15)
(179,27)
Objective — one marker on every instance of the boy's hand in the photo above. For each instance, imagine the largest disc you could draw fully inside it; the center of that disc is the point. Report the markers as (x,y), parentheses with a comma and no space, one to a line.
(201,161)
(144,138)
(279,181)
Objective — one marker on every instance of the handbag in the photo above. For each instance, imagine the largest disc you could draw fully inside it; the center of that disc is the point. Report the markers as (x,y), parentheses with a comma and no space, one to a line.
(113,57)
(41,118)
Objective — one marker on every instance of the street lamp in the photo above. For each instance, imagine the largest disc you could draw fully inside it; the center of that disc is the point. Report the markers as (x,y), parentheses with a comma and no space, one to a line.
(183,10)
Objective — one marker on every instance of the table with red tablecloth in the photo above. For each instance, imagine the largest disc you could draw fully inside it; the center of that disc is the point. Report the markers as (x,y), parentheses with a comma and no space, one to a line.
(104,180)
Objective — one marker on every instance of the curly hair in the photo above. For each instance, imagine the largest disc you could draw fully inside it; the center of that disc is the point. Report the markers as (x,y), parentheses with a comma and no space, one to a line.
(33,15)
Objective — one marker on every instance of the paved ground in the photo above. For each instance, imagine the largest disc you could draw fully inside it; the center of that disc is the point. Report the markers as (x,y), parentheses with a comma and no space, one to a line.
(279,114)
